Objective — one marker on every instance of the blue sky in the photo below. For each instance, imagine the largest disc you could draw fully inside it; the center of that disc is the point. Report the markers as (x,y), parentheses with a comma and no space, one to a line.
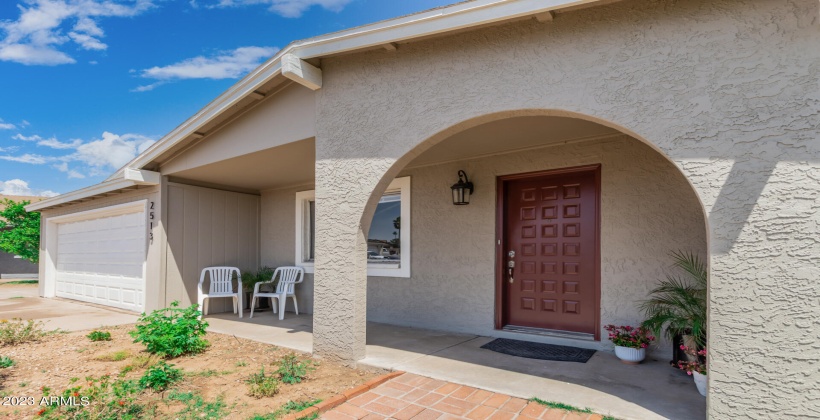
(85,85)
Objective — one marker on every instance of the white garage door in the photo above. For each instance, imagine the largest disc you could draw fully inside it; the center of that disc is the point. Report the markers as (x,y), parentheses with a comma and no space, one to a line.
(101,260)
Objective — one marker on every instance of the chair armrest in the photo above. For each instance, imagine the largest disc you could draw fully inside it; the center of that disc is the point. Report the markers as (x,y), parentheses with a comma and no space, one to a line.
(201,281)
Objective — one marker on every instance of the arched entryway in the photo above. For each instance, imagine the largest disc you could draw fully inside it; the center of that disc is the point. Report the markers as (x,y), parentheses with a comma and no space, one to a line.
(594,256)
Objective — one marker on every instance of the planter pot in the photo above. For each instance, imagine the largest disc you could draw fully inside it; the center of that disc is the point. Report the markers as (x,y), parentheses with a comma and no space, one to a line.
(630,355)
(700,382)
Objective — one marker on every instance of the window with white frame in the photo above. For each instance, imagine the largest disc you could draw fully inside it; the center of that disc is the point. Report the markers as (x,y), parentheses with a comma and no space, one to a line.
(388,241)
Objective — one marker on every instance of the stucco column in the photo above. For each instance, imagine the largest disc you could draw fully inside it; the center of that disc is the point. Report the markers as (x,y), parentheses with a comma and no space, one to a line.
(343,188)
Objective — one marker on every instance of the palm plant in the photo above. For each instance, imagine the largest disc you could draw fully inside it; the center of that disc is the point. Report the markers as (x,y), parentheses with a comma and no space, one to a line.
(249,279)
(677,306)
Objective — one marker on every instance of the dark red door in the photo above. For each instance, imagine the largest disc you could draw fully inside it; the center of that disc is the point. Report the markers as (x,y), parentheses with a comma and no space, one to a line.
(550,234)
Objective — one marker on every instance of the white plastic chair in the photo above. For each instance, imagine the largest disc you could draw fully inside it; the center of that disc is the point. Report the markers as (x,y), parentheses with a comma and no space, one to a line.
(289,277)
(221,287)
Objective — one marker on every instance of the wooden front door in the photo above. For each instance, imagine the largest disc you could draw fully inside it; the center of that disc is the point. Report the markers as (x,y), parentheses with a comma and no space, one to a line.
(548,251)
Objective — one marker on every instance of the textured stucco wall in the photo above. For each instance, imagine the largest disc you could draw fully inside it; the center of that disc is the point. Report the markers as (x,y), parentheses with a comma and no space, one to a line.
(278,240)
(647,210)
(727,89)
(155,282)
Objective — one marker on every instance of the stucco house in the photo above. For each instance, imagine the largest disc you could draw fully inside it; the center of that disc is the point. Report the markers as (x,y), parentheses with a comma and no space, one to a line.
(599,136)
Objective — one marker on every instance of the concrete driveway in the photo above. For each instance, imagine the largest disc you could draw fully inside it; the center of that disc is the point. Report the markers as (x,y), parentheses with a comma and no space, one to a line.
(21,301)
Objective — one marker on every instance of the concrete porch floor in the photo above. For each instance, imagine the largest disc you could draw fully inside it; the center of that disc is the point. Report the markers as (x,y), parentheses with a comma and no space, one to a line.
(651,390)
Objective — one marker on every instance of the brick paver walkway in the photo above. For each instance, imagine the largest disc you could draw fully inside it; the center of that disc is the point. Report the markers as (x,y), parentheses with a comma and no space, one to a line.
(412,396)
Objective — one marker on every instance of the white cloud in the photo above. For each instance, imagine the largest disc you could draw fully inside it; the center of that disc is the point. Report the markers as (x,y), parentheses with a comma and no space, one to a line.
(94,157)
(112,151)
(51,142)
(35,37)
(29,158)
(63,167)
(56,144)
(6,126)
(288,8)
(225,65)
(147,88)
(20,187)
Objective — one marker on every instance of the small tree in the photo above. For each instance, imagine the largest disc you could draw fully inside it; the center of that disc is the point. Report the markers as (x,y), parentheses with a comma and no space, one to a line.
(19,230)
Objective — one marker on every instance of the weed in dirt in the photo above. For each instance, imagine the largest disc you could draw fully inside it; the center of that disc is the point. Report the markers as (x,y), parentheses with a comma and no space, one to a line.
(196,407)
(241,363)
(313,416)
(104,399)
(74,379)
(160,376)
(15,297)
(262,385)
(180,396)
(116,356)
(21,282)
(285,409)
(211,372)
(292,370)
(23,384)
(99,336)
(18,331)
(6,362)
(143,361)
(172,332)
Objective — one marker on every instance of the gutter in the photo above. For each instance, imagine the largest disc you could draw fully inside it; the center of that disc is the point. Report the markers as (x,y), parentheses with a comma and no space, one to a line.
(130,178)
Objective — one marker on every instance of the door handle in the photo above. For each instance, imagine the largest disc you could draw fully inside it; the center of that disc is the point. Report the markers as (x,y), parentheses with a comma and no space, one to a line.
(510,269)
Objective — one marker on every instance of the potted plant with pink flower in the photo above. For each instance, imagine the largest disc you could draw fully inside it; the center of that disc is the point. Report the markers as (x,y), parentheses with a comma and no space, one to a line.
(696,367)
(630,342)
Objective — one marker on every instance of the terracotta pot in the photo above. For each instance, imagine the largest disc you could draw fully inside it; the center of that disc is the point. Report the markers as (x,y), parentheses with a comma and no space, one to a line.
(629,355)
(700,382)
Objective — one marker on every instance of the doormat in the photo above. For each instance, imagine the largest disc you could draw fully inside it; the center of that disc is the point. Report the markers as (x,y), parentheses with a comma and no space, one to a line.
(539,351)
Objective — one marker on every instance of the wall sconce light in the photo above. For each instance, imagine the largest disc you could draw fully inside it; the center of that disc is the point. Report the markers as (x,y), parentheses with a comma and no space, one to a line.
(462,190)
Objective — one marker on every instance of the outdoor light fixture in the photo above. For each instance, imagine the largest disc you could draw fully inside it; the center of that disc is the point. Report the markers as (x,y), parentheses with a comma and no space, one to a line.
(462,190)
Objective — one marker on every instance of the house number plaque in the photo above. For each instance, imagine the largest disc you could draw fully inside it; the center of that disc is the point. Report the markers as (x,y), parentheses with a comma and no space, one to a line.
(151,222)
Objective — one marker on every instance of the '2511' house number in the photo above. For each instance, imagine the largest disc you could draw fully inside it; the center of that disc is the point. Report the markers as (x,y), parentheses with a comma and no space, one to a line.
(151,218)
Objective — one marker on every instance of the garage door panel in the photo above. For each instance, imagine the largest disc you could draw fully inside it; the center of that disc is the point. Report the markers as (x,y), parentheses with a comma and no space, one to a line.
(102,260)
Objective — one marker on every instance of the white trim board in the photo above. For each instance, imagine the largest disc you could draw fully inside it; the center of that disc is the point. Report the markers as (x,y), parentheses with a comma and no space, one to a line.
(402,269)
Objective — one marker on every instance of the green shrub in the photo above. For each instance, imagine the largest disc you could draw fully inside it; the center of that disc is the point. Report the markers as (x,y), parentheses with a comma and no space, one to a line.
(292,370)
(99,336)
(172,332)
(262,385)
(18,331)
(160,376)
(6,362)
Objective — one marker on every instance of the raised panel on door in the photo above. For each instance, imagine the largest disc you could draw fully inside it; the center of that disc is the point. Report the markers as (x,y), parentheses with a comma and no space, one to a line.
(550,223)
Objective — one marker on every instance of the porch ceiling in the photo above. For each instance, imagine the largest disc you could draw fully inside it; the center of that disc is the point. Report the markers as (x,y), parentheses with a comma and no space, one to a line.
(281,166)
(509,135)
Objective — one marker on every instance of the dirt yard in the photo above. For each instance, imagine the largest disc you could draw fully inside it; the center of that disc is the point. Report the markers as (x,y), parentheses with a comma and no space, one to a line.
(218,374)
